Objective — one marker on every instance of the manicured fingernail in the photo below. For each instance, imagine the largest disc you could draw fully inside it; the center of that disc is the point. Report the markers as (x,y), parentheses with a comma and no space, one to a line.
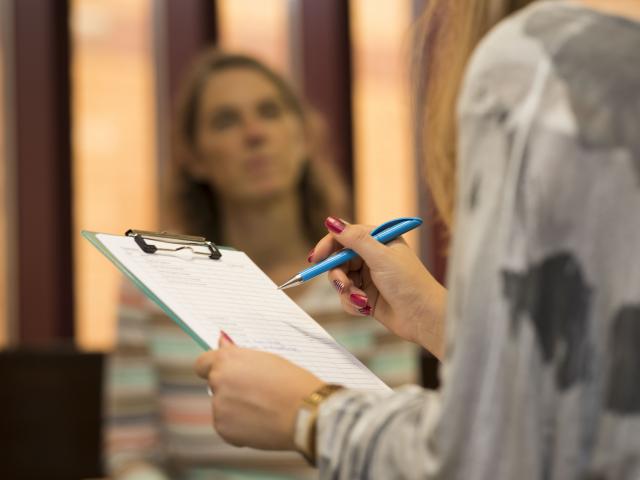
(358,300)
(365,310)
(339,285)
(224,335)
(335,225)
(310,256)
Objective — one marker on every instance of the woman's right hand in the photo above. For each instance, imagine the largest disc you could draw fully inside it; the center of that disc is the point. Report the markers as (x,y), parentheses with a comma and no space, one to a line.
(388,282)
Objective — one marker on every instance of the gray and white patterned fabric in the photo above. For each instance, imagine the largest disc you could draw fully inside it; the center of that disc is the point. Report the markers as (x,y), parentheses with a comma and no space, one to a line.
(541,378)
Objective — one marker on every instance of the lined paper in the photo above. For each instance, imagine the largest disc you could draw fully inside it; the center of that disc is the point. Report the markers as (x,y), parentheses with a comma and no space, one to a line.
(234,295)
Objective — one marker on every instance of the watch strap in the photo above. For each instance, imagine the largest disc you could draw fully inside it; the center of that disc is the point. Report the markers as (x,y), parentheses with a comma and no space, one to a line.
(306,420)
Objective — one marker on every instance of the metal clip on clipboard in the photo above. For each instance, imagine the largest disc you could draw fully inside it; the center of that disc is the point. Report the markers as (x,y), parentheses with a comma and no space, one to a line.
(187,242)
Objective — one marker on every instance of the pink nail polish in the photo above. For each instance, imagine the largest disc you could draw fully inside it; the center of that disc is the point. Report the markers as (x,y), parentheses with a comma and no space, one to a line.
(310,256)
(339,285)
(365,310)
(335,225)
(224,335)
(358,300)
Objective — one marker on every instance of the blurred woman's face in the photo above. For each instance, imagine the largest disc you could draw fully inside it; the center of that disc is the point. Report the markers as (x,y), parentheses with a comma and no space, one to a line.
(249,145)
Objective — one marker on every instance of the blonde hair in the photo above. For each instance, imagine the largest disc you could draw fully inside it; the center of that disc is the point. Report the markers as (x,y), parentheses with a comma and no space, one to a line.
(447,33)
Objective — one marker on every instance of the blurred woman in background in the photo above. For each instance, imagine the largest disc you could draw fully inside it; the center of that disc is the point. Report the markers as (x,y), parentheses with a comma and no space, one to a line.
(251,170)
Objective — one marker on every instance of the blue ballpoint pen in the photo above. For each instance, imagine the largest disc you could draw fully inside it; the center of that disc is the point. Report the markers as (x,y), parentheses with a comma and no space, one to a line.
(384,234)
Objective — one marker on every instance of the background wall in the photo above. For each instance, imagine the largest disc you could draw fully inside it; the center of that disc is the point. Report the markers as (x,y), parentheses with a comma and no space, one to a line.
(383,149)
(263,29)
(114,157)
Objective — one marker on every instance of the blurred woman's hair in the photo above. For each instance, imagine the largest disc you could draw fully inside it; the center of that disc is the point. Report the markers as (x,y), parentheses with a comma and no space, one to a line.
(191,206)
(446,34)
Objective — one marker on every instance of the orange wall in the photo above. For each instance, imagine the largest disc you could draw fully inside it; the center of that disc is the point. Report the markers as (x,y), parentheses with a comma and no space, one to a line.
(384,168)
(113,145)
(260,28)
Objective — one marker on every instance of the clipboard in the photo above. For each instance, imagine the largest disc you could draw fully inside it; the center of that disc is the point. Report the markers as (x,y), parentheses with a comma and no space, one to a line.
(210,294)
(142,237)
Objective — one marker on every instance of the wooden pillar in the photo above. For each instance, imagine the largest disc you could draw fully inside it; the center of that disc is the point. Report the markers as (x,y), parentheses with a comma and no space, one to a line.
(326,71)
(190,27)
(434,239)
(42,170)
(182,29)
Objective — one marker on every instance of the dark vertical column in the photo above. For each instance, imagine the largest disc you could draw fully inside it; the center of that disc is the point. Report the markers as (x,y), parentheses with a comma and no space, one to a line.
(434,240)
(433,253)
(190,27)
(326,71)
(43,170)
(182,29)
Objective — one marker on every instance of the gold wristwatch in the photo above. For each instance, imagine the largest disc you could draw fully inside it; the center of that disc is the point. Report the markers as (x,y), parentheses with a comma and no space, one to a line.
(305,430)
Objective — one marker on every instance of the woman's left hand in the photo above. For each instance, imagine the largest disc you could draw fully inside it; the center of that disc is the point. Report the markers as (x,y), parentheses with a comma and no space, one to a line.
(256,395)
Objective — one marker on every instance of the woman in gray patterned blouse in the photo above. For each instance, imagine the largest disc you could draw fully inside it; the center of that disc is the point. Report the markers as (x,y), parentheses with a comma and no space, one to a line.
(541,358)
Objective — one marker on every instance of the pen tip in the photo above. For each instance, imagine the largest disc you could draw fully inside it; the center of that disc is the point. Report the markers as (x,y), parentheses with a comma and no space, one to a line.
(297,280)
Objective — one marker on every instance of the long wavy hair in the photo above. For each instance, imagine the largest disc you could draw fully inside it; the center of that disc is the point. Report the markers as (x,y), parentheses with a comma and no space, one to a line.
(191,206)
(446,34)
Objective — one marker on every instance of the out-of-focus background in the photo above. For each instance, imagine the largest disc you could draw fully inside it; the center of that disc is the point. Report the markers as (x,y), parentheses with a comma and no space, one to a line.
(87,89)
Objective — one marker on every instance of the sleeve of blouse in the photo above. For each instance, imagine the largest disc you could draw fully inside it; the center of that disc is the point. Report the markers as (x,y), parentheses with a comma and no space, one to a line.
(132,435)
(360,433)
